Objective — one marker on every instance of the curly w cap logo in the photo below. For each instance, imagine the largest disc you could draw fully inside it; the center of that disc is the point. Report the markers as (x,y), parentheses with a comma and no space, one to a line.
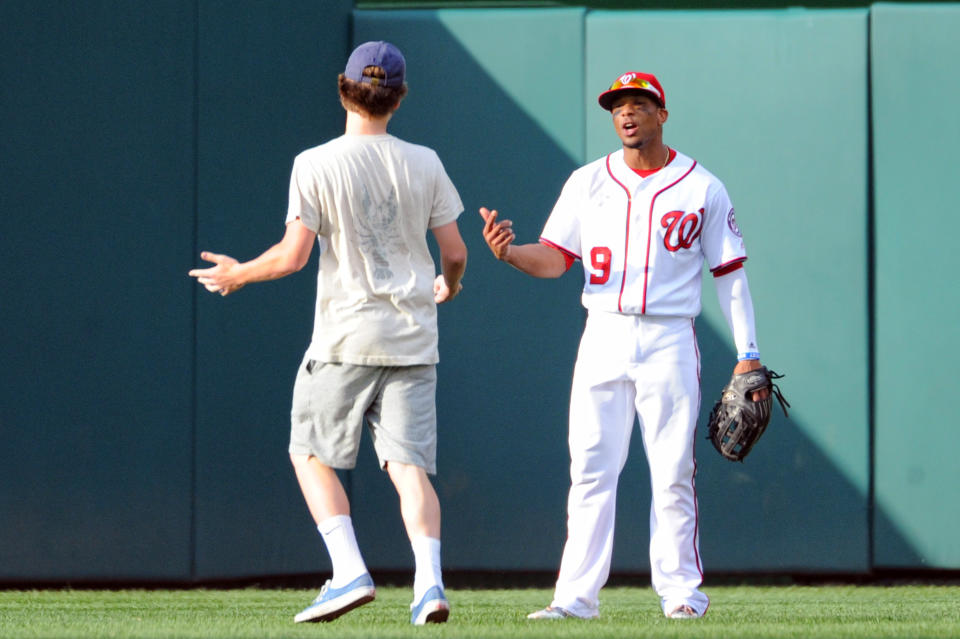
(631,80)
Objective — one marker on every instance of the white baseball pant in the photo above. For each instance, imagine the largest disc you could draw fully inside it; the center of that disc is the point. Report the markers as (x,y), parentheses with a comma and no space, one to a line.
(630,366)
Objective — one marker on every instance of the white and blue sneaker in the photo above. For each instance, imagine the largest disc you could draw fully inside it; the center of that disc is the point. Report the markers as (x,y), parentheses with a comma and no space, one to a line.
(433,608)
(333,602)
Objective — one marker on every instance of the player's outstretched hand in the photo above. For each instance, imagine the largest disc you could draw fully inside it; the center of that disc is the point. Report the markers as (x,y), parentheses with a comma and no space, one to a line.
(442,292)
(498,235)
(747,365)
(217,279)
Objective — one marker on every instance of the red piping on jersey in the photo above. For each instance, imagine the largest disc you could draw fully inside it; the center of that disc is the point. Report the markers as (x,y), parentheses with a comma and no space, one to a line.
(568,257)
(626,248)
(570,253)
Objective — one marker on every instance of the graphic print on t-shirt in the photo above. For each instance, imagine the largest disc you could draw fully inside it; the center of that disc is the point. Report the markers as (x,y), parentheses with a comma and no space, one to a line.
(378,232)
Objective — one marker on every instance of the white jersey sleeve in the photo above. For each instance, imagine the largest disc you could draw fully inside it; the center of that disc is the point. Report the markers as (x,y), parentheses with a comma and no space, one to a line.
(562,229)
(721,240)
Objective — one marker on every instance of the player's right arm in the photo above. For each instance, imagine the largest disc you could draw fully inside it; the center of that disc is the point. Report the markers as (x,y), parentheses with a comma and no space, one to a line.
(533,259)
(733,293)
(288,256)
(453,262)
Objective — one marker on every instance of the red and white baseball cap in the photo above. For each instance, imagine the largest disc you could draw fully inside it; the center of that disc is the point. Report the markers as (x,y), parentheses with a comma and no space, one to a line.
(633,81)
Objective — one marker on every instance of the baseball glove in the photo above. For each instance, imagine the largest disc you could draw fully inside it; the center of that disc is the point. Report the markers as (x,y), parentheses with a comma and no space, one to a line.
(736,421)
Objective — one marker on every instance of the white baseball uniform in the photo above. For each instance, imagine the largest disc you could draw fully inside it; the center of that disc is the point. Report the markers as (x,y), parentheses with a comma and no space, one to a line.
(643,242)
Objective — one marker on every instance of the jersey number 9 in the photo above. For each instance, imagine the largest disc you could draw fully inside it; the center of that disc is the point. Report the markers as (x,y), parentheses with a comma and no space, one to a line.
(600,259)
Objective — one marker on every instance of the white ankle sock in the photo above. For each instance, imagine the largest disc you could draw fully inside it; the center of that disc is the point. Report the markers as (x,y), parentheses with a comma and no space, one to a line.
(426,554)
(337,533)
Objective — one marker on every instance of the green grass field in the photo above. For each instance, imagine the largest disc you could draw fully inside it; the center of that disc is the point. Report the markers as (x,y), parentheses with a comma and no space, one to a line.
(736,611)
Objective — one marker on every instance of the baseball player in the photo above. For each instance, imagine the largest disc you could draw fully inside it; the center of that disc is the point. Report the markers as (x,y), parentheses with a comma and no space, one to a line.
(368,199)
(642,221)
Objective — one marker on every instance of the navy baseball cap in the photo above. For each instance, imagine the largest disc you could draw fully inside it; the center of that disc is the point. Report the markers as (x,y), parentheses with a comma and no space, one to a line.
(376,54)
(633,81)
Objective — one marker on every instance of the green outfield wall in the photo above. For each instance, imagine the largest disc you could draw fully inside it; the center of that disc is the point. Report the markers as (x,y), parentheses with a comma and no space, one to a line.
(96,220)
(916,134)
(144,422)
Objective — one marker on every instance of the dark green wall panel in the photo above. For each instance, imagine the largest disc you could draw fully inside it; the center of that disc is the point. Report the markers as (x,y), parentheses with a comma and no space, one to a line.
(774,103)
(96,225)
(267,89)
(914,49)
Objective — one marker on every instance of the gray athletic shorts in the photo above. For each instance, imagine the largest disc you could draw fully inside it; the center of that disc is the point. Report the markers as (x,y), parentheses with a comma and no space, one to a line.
(331,402)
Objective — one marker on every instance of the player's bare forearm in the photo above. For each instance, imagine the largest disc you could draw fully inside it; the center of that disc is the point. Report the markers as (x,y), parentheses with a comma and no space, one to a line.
(454,267)
(286,257)
(274,263)
(533,259)
(536,260)
(449,283)
(229,276)
(453,262)
(452,270)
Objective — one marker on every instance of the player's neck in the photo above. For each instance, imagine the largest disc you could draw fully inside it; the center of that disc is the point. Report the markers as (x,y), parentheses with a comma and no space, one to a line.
(361,124)
(648,158)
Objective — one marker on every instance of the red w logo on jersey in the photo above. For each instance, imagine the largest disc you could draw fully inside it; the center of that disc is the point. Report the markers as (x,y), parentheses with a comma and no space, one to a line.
(682,229)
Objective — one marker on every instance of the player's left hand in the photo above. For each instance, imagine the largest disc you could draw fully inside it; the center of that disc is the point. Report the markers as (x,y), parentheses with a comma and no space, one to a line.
(217,279)
(747,365)
(442,292)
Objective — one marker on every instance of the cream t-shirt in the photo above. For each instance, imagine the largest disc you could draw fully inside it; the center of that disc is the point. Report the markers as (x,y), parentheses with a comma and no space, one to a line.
(371,200)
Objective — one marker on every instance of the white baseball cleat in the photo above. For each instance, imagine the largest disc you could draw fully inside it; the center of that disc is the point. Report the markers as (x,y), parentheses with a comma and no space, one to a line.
(550,613)
(683,612)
